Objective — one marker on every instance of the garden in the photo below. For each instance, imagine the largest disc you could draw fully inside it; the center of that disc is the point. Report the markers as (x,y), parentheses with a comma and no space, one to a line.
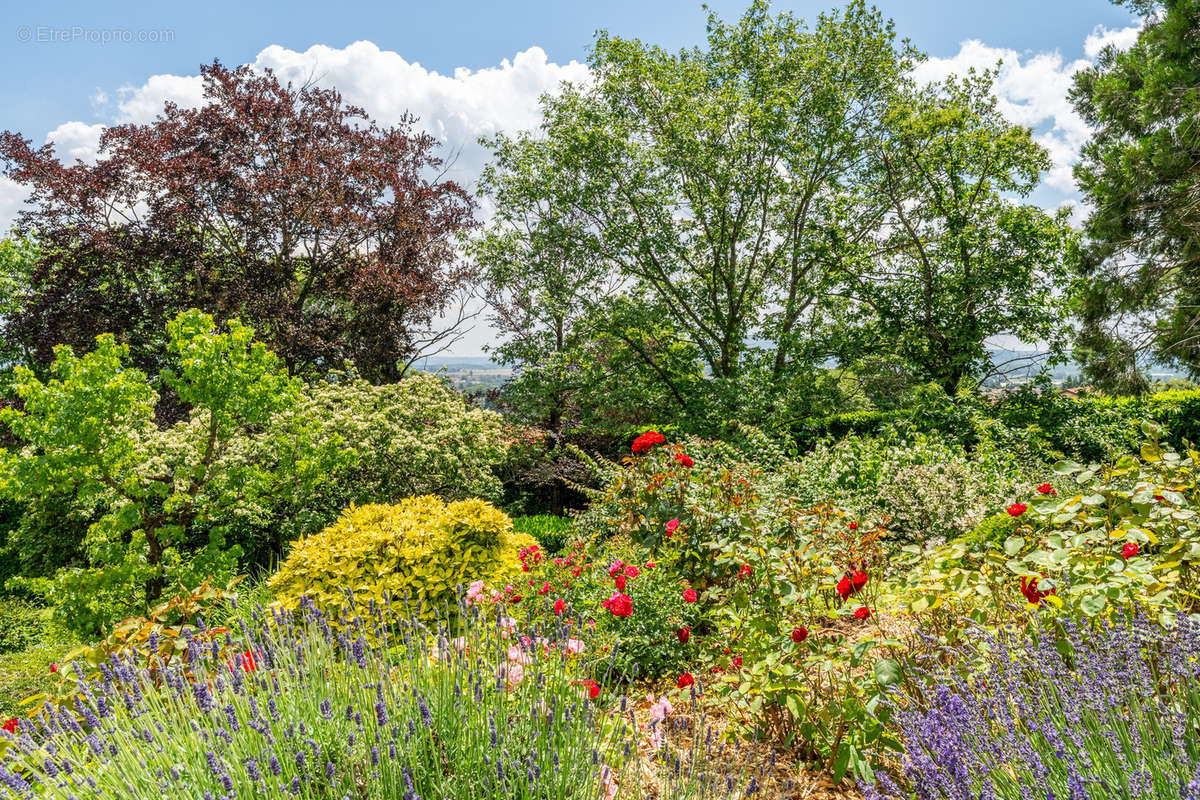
(743,526)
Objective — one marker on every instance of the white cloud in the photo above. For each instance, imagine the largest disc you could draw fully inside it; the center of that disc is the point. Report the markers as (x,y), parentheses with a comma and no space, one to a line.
(144,103)
(456,109)
(1101,37)
(1031,91)
(76,141)
(12,197)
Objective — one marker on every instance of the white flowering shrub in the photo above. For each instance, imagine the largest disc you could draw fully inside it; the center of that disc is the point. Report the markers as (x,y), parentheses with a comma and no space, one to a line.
(926,488)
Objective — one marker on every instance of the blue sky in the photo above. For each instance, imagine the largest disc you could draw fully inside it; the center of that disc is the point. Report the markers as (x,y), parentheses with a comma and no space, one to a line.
(474,68)
(47,82)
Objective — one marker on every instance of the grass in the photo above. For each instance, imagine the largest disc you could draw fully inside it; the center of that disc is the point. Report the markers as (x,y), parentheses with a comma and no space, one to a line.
(550,531)
(23,672)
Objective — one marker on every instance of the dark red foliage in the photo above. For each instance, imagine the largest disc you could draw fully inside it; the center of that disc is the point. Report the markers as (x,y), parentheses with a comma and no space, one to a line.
(277,204)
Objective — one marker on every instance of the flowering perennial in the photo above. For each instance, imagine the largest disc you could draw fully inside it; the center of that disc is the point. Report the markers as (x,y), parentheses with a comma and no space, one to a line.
(1079,712)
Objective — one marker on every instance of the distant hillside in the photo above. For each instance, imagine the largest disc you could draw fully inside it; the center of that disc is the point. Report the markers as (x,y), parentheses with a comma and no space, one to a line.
(434,363)
(1023,365)
(469,374)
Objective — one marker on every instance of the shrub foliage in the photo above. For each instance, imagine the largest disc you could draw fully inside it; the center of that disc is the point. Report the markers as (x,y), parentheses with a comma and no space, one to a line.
(422,547)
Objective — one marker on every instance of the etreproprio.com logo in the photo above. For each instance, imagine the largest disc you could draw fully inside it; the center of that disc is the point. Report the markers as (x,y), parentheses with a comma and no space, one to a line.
(54,34)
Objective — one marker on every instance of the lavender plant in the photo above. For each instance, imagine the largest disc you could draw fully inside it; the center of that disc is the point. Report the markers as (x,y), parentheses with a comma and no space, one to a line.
(373,705)
(1103,711)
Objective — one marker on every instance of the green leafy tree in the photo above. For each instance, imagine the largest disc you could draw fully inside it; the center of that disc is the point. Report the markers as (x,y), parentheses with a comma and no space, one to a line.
(957,259)
(710,184)
(413,437)
(89,432)
(17,258)
(542,286)
(1140,174)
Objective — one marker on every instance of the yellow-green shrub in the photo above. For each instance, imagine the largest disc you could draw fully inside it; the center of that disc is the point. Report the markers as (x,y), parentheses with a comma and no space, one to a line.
(421,546)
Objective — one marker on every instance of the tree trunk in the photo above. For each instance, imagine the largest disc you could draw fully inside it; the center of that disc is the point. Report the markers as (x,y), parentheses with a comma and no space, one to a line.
(154,584)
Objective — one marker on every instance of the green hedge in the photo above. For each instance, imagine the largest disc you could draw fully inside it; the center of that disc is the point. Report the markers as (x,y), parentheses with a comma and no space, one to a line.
(1088,428)
(550,531)
(1098,427)
(961,422)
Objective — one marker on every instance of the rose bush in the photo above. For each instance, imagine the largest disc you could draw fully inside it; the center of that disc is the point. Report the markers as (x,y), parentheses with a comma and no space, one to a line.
(632,607)
(799,655)
(1070,547)
(787,644)
(695,501)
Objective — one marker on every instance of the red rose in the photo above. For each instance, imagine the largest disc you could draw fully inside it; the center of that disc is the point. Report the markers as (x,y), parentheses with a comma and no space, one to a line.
(671,526)
(620,582)
(844,587)
(53,668)
(619,605)
(1129,550)
(858,579)
(685,680)
(1017,509)
(684,459)
(593,688)
(1046,488)
(617,567)
(631,571)
(647,441)
(1031,592)
(737,662)
(862,613)
(11,725)
(683,634)
(744,571)
(689,595)
(799,634)
(245,661)
(560,606)
(853,526)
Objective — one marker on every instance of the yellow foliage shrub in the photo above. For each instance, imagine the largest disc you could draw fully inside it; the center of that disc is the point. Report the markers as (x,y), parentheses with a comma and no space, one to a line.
(421,546)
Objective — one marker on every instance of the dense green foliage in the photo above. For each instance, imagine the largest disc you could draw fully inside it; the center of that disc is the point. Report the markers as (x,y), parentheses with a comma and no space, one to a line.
(22,624)
(420,550)
(748,291)
(714,225)
(112,505)
(160,494)
(959,262)
(1140,173)
(921,485)
(413,437)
